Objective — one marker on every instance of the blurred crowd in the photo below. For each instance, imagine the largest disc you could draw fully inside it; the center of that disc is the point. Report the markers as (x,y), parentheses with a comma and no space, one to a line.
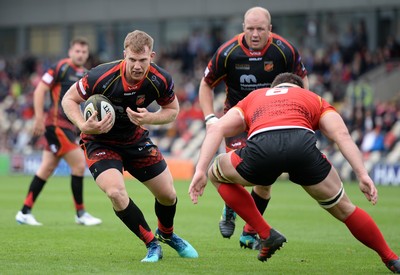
(334,67)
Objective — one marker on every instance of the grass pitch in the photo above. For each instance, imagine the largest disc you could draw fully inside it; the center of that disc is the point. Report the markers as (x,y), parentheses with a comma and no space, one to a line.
(317,243)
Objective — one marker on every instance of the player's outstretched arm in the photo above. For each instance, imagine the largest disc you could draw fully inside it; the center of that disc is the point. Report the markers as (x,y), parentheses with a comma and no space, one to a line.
(230,124)
(333,127)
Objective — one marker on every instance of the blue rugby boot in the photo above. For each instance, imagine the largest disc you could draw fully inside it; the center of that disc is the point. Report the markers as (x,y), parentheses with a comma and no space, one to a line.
(248,240)
(154,253)
(184,249)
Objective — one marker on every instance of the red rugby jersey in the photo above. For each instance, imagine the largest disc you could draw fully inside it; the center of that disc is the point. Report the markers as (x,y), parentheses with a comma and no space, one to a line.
(282,108)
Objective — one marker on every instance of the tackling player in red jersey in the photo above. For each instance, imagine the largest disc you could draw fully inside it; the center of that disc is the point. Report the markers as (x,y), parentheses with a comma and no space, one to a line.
(61,135)
(281,122)
(249,61)
(131,85)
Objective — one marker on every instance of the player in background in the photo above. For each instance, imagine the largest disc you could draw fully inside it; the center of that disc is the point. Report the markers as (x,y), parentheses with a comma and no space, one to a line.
(131,85)
(61,135)
(281,122)
(249,61)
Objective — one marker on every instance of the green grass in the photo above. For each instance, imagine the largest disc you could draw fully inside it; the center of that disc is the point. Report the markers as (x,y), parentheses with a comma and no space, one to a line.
(317,243)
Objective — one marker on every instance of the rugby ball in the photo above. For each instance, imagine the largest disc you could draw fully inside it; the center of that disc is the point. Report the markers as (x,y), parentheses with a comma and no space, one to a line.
(99,103)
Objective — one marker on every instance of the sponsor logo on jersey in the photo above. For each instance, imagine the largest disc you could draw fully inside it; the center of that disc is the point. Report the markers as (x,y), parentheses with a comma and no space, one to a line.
(105,85)
(237,144)
(226,52)
(268,66)
(244,78)
(255,58)
(249,83)
(242,66)
(148,144)
(131,93)
(155,80)
(280,44)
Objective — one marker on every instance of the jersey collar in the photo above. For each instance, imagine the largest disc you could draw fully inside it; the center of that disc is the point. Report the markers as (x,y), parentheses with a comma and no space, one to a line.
(246,49)
(127,86)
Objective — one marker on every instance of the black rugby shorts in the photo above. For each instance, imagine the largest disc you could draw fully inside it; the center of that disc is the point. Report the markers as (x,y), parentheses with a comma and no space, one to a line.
(269,154)
(143,160)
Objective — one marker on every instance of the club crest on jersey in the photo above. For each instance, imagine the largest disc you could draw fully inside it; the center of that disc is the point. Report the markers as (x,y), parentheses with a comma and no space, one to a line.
(268,66)
(140,100)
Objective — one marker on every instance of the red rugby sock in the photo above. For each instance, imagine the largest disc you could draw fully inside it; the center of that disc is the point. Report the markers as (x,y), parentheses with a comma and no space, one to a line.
(237,197)
(363,227)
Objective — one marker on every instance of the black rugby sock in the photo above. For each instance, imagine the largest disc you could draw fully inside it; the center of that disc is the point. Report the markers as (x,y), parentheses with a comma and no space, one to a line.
(77,193)
(133,218)
(165,215)
(34,190)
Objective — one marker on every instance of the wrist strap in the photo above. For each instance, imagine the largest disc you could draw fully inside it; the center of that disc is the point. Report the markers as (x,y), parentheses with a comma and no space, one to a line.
(208,117)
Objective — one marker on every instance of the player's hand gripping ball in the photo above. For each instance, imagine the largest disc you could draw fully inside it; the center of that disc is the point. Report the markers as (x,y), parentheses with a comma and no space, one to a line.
(101,104)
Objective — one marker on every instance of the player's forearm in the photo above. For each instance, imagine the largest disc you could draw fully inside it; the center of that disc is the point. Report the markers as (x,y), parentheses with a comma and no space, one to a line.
(209,147)
(335,129)
(206,98)
(38,107)
(164,116)
(38,101)
(352,154)
(73,111)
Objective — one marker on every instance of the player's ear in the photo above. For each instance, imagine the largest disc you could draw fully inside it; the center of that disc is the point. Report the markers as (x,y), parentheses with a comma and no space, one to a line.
(243,26)
(153,54)
(124,53)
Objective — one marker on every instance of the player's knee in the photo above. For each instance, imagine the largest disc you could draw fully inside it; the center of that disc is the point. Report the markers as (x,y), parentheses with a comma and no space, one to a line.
(167,198)
(331,202)
(116,194)
(78,169)
(216,174)
(263,191)
(46,170)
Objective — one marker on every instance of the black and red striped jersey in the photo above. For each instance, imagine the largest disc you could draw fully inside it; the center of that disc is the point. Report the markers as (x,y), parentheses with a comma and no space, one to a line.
(244,70)
(109,79)
(59,77)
